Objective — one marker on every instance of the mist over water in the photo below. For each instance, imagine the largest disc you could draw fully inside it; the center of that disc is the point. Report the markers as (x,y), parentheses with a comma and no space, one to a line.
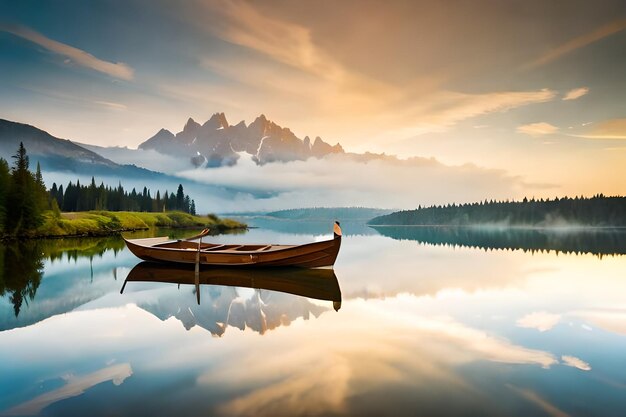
(568,239)
(344,180)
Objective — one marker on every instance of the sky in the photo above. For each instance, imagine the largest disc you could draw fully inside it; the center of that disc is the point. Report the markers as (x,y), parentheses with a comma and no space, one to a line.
(533,88)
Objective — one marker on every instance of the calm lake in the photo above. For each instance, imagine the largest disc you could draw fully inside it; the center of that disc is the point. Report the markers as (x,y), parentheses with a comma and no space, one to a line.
(413,321)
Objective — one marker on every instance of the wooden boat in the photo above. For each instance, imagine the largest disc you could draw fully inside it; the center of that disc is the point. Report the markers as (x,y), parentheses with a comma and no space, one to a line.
(320,284)
(310,255)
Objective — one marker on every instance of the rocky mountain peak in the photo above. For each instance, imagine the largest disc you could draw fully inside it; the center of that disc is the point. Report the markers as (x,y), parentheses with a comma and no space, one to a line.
(191,124)
(216,143)
(217,121)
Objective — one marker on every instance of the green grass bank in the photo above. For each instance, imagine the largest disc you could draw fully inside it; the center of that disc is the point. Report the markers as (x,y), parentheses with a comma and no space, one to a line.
(104,223)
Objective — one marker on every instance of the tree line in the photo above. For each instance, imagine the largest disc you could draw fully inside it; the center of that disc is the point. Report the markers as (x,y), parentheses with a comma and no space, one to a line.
(24,197)
(599,210)
(77,197)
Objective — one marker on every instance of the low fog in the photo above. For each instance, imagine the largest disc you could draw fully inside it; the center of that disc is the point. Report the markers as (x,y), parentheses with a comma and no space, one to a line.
(334,181)
(344,180)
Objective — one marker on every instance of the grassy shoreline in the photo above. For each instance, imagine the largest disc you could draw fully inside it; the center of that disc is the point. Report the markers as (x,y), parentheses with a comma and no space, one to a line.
(107,223)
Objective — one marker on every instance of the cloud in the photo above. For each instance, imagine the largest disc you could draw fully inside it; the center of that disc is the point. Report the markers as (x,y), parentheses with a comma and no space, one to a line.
(111,105)
(431,349)
(78,56)
(286,42)
(575,362)
(323,388)
(145,158)
(578,42)
(293,78)
(351,180)
(530,395)
(608,129)
(537,129)
(540,320)
(576,93)
(75,386)
(446,108)
(607,319)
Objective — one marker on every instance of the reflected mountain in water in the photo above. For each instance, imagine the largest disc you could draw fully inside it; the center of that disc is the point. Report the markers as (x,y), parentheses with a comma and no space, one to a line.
(598,241)
(222,298)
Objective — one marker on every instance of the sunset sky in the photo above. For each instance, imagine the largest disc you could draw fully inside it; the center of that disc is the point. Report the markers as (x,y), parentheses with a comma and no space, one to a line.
(536,88)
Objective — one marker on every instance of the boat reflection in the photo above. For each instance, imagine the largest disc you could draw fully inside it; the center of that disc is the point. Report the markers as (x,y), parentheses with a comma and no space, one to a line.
(226,302)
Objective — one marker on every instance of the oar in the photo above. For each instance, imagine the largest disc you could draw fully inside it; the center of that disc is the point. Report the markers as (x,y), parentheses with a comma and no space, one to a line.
(123,286)
(197,270)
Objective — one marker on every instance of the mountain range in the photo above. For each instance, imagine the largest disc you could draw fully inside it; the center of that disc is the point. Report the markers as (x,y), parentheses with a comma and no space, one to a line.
(55,154)
(64,160)
(212,144)
(217,143)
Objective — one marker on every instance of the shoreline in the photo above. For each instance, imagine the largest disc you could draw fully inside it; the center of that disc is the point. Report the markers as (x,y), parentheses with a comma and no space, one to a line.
(112,223)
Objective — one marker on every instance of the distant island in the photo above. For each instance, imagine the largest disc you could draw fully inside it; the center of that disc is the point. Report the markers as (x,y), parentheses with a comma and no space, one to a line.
(329,213)
(596,211)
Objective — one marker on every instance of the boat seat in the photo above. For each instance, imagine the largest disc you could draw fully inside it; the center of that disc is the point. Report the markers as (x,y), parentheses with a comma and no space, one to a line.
(213,248)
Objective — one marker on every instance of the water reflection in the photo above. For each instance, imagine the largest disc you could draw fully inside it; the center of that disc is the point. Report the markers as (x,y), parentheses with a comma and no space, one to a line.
(73,387)
(21,270)
(65,263)
(225,301)
(595,241)
(423,330)
(75,248)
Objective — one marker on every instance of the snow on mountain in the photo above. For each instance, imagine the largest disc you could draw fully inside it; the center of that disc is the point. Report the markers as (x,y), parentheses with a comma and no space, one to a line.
(217,143)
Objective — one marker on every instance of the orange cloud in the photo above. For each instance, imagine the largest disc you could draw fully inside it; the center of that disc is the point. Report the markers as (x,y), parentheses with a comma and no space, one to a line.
(539,320)
(608,129)
(303,83)
(286,42)
(549,408)
(537,129)
(576,93)
(575,362)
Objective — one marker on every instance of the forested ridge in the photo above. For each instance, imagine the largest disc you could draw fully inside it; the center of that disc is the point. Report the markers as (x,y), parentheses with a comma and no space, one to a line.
(24,198)
(596,211)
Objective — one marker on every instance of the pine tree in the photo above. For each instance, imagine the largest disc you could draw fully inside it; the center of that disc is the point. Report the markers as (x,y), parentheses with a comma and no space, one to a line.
(187,204)
(172,201)
(24,212)
(42,197)
(5,182)
(60,195)
(180,198)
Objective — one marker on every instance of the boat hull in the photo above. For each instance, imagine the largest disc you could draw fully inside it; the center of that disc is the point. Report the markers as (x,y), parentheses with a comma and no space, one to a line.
(311,255)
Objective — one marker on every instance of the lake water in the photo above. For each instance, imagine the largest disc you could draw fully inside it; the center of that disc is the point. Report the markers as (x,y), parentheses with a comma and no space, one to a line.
(427,322)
